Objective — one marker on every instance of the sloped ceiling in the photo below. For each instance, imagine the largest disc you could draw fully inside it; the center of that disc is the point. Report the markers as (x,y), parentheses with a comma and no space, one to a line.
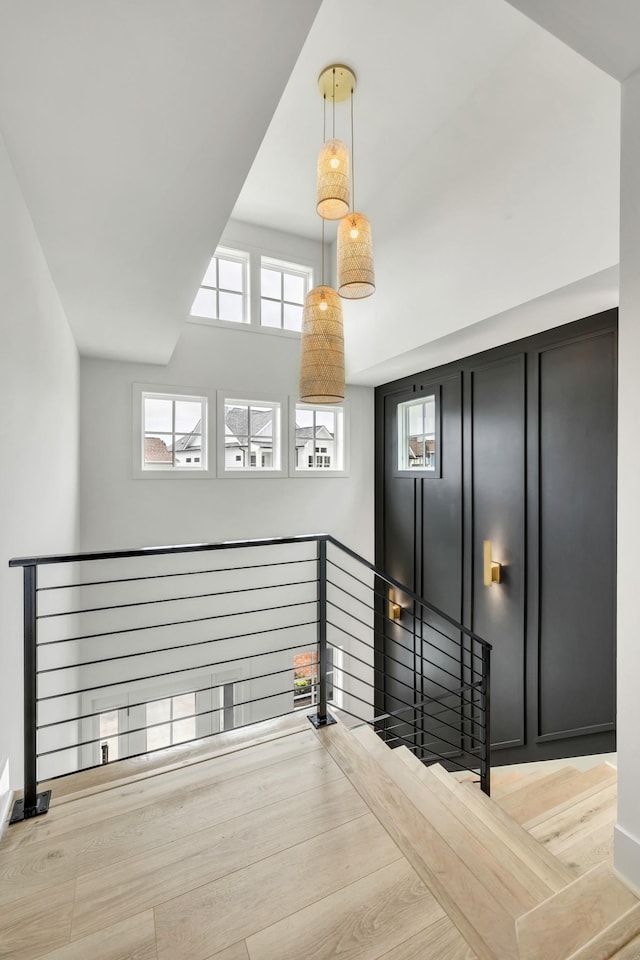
(131,125)
(487,156)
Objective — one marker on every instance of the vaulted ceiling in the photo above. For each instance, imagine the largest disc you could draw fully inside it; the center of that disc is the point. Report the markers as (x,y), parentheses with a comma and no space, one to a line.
(487,155)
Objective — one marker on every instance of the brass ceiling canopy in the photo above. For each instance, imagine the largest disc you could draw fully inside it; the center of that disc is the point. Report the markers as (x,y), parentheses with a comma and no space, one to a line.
(343,82)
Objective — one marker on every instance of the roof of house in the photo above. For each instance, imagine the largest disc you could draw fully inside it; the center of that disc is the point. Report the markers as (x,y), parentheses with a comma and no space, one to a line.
(155,451)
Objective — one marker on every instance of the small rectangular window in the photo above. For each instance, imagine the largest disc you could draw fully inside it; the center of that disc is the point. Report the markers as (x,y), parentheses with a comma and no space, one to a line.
(174,432)
(319,438)
(283,287)
(418,436)
(223,291)
(252,435)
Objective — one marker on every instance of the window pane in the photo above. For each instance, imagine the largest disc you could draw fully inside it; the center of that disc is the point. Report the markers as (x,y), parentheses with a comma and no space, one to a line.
(326,419)
(230,275)
(184,705)
(231,307)
(187,447)
(294,288)
(188,416)
(236,420)
(157,449)
(158,415)
(204,304)
(271,284)
(158,711)
(209,279)
(270,313)
(261,421)
(159,737)
(304,418)
(292,317)
(184,730)
(416,422)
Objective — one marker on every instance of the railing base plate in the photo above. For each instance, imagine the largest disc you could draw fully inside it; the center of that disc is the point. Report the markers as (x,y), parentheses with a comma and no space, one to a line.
(42,806)
(319,721)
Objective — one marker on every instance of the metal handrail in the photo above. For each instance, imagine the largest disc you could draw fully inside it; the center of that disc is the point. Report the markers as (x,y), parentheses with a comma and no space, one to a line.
(34,803)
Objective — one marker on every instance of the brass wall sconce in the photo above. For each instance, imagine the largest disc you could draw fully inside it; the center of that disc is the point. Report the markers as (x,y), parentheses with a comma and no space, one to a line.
(395,610)
(492,569)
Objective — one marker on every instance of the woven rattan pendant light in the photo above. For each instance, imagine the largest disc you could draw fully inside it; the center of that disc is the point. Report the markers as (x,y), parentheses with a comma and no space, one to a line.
(356,278)
(322,345)
(332,190)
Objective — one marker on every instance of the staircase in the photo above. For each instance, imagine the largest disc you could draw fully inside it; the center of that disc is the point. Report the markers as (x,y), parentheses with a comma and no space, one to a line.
(509,871)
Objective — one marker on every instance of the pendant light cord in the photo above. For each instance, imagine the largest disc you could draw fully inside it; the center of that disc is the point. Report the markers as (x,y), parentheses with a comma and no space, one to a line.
(353,163)
(323,251)
(334,103)
(324,118)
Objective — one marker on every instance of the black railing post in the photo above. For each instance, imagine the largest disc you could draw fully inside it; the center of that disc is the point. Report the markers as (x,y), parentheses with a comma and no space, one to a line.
(485,762)
(322,718)
(33,803)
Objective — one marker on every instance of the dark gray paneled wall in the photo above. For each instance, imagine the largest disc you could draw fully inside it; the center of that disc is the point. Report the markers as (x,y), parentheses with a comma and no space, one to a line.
(528,461)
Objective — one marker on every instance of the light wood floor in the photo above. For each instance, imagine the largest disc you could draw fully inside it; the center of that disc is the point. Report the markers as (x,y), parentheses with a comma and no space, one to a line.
(266,852)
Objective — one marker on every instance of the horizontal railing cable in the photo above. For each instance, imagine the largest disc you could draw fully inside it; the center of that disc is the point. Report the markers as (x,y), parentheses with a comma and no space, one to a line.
(177,573)
(192,596)
(198,666)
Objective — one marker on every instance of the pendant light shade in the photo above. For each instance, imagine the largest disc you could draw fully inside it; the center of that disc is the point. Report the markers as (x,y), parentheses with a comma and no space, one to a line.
(333,180)
(322,348)
(356,278)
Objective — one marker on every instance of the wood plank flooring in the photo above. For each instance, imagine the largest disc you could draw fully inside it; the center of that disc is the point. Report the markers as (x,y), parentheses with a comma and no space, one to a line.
(264,852)
(272,849)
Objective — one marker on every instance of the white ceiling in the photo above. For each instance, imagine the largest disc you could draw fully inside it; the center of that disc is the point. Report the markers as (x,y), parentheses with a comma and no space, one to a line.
(487,155)
(606,32)
(131,125)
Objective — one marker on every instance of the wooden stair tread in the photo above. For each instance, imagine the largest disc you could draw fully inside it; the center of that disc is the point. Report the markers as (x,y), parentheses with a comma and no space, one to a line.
(577,821)
(503,787)
(547,792)
(482,920)
(567,922)
(490,816)
(580,788)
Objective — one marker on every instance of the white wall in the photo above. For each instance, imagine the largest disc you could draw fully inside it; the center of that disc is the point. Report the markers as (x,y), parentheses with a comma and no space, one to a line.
(38,436)
(627,839)
(119,511)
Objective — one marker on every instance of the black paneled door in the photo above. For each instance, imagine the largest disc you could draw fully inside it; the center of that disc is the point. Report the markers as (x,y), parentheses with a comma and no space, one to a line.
(526,458)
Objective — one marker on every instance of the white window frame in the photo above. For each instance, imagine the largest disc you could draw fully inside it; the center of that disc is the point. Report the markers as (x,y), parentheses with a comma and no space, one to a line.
(280,434)
(402,436)
(243,258)
(254,256)
(169,471)
(342,436)
(293,270)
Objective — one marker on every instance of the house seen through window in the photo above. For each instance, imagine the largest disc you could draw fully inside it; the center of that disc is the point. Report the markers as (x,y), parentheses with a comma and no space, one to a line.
(319,438)
(174,432)
(251,435)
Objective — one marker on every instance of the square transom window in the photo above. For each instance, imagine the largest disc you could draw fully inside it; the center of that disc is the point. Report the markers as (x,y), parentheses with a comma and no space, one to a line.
(418,434)
(319,438)
(223,291)
(283,287)
(251,435)
(174,432)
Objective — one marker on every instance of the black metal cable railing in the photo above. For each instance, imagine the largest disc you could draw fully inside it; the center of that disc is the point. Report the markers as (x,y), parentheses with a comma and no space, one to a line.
(121,660)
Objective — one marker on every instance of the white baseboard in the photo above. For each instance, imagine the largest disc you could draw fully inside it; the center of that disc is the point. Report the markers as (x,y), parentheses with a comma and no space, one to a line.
(6,795)
(626,858)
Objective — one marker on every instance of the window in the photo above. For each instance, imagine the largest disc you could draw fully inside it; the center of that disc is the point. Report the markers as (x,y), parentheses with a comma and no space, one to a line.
(251,433)
(319,443)
(283,287)
(418,438)
(305,679)
(174,432)
(223,291)
(170,721)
